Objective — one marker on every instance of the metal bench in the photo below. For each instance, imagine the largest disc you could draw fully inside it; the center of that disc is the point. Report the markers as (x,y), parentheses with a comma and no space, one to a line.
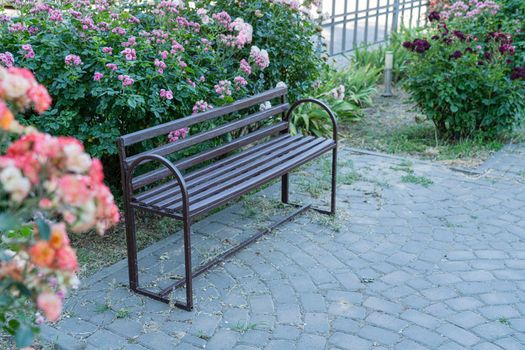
(266,152)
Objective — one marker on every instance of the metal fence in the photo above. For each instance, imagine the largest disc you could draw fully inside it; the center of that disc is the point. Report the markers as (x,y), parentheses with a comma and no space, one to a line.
(351,23)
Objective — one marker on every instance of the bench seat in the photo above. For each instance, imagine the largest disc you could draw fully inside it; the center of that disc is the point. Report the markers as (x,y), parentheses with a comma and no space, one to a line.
(222,181)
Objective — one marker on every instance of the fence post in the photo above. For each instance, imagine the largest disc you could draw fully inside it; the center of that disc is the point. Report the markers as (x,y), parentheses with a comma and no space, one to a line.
(395,16)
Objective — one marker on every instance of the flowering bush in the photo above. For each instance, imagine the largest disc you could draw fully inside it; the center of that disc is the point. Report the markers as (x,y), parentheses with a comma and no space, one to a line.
(466,83)
(48,185)
(114,68)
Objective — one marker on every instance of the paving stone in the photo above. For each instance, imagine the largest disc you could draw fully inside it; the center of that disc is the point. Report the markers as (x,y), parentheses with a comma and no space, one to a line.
(348,341)
(459,335)
(386,321)
(382,305)
(379,335)
(420,318)
(280,344)
(286,332)
(495,312)
(311,342)
(492,331)
(223,340)
(316,323)
(424,336)
(466,319)
(464,303)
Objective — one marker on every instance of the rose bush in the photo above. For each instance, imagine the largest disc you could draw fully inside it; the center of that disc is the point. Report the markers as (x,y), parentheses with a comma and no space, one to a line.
(114,68)
(48,186)
(467,83)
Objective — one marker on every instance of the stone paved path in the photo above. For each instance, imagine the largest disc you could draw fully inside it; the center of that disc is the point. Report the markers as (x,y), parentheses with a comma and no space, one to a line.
(420,257)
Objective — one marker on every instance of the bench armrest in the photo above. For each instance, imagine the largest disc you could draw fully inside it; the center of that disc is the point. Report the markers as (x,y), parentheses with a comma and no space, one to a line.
(170,166)
(320,104)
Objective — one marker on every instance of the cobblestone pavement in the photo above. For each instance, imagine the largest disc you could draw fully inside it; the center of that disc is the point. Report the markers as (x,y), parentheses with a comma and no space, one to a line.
(419,257)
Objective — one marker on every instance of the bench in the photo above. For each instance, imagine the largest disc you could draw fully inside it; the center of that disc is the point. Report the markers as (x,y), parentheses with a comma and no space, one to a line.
(193,185)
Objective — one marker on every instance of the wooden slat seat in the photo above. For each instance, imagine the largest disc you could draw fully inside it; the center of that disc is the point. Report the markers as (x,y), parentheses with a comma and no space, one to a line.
(214,185)
(260,149)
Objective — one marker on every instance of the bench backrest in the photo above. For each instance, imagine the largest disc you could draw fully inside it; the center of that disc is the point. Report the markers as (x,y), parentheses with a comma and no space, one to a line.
(171,147)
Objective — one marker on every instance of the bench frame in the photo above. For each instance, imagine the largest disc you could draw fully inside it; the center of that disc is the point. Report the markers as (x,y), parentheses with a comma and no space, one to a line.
(127,170)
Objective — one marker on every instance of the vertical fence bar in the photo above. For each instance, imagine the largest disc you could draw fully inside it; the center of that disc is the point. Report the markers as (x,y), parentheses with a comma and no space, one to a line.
(376,29)
(356,20)
(345,21)
(395,16)
(385,36)
(332,29)
(367,16)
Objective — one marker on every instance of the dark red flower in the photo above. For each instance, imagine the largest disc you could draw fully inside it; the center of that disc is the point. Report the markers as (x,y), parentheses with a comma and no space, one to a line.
(518,73)
(457,54)
(408,45)
(459,34)
(434,16)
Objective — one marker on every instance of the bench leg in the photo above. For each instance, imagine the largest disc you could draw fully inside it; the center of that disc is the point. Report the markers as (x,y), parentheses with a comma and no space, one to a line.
(285,193)
(131,240)
(187,264)
(334,181)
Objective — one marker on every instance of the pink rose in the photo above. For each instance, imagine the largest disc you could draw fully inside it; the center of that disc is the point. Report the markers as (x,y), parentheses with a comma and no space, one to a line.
(50,304)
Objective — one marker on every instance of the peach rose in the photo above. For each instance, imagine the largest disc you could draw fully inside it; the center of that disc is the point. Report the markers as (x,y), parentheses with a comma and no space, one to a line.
(42,254)
(50,304)
(66,259)
(6,117)
(58,237)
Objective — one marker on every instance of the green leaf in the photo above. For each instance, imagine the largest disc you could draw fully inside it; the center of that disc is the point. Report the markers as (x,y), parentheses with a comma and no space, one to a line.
(8,222)
(24,336)
(43,229)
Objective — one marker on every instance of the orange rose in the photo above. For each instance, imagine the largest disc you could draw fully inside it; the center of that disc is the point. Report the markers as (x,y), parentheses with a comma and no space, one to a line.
(58,236)
(6,117)
(42,254)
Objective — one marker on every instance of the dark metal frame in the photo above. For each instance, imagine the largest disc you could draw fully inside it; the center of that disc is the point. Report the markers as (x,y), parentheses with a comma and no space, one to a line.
(169,168)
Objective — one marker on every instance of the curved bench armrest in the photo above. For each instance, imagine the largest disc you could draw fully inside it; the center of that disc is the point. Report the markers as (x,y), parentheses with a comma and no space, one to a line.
(323,106)
(170,166)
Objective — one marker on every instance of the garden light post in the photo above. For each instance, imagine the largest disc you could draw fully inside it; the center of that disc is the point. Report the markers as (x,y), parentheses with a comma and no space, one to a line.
(389,65)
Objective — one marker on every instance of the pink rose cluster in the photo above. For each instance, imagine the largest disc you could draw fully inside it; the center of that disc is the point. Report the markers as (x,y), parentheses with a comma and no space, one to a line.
(175,135)
(68,183)
(125,79)
(260,57)
(28,51)
(166,94)
(224,88)
(46,177)
(72,60)
(201,106)
(472,8)
(19,86)
(7,59)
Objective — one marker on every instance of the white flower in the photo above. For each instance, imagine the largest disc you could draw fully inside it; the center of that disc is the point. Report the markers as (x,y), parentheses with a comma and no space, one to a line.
(264,106)
(15,86)
(86,218)
(76,160)
(338,93)
(281,84)
(15,183)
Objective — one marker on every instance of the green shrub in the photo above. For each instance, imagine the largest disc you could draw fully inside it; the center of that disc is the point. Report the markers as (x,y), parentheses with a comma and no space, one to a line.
(170,60)
(345,91)
(290,37)
(466,84)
